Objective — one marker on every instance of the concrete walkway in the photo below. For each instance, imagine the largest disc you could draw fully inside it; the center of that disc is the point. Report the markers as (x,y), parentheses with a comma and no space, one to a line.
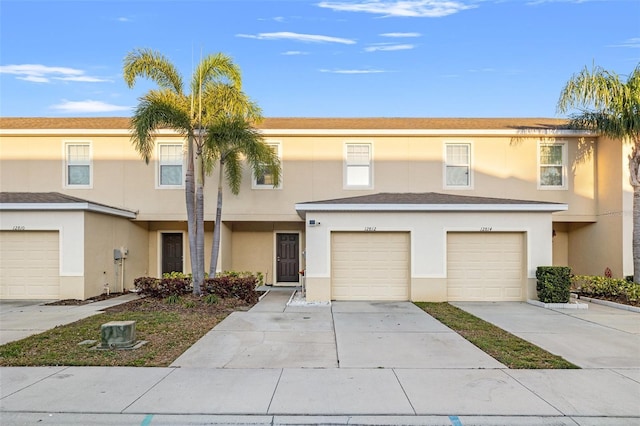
(23,318)
(389,364)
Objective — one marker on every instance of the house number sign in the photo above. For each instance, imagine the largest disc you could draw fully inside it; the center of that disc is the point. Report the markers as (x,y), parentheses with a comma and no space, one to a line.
(486,229)
(369,229)
(19,228)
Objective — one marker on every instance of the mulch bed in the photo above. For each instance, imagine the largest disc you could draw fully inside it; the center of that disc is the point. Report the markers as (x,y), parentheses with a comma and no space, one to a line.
(71,302)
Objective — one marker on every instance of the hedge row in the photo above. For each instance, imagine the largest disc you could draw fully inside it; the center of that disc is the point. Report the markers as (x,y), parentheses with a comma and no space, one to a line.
(608,288)
(233,285)
(553,284)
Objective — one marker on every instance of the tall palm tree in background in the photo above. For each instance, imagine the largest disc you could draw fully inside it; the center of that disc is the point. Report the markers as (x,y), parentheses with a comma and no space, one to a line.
(610,106)
(230,141)
(189,114)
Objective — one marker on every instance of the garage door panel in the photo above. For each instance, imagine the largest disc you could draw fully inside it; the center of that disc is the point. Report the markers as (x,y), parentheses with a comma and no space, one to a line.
(29,265)
(485,266)
(370,266)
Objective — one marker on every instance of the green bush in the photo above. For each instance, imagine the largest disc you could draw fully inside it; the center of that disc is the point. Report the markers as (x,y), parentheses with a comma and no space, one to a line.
(553,284)
(607,288)
(237,285)
(162,287)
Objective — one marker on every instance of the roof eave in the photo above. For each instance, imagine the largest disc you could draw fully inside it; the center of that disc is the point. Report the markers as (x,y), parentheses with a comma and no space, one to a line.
(303,208)
(92,207)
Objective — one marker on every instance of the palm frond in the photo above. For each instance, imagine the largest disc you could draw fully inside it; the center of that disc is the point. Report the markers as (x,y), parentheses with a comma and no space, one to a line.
(218,67)
(223,100)
(157,109)
(150,64)
(233,170)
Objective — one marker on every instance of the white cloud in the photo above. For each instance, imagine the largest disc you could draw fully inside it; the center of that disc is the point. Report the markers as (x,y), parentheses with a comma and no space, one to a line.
(309,38)
(88,106)
(123,19)
(37,73)
(633,42)
(294,53)
(537,2)
(353,71)
(408,8)
(388,47)
(400,35)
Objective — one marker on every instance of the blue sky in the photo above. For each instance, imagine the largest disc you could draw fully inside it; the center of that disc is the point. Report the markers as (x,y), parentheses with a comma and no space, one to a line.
(300,58)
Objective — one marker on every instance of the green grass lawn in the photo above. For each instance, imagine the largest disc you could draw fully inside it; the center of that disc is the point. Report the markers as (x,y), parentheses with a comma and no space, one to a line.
(170,329)
(508,349)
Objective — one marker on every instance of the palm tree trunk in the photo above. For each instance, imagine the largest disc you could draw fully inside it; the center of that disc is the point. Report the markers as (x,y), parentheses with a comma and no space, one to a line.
(634,172)
(217,227)
(189,183)
(199,207)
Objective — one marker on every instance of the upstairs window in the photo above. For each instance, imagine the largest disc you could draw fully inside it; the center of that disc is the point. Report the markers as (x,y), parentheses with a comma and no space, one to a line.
(357,172)
(552,168)
(265,179)
(457,165)
(170,160)
(78,164)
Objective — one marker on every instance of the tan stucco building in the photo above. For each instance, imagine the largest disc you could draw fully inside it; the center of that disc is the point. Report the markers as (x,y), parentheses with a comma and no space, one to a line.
(369,208)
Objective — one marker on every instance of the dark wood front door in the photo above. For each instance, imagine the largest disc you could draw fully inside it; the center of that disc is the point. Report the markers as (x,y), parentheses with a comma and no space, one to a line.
(171,252)
(287,261)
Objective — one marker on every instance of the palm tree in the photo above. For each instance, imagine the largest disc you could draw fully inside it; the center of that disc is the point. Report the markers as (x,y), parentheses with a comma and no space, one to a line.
(610,107)
(169,106)
(230,141)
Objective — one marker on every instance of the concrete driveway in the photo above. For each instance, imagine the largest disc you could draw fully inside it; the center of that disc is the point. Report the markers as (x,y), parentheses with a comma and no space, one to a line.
(345,335)
(597,337)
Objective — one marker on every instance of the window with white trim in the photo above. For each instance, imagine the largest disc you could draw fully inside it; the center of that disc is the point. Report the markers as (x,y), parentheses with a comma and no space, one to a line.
(78,171)
(358,167)
(457,165)
(170,165)
(265,179)
(552,165)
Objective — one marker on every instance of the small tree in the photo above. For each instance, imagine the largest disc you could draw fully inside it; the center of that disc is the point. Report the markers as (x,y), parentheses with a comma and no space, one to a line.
(610,107)
(230,141)
(188,113)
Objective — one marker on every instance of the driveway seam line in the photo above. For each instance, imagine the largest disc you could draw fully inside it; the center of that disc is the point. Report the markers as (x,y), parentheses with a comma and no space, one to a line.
(273,395)
(172,370)
(415,413)
(37,381)
(506,371)
(335,336)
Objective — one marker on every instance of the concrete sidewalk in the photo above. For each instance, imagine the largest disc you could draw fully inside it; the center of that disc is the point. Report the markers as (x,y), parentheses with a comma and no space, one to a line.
(390,364)
(23,318)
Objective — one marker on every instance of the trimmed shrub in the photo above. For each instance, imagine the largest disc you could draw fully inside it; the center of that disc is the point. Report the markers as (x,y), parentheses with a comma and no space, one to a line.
(233,285)
(162,287)
(606,288)
(553,284)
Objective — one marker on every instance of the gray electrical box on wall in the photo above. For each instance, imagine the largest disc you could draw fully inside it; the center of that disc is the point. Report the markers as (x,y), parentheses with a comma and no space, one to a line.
(117,254)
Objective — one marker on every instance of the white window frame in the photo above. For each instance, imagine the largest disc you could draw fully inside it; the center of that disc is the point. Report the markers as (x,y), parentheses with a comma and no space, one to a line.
(564,174)
(346,165)
(446,163)
(66,163)
(254,179)
(159,184)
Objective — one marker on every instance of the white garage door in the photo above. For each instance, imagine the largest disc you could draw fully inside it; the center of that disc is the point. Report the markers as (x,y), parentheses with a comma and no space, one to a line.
(485,266)
(370,266)
(29,265)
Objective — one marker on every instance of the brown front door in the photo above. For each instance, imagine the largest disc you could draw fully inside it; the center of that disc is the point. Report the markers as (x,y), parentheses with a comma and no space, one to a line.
(287,262)
(171,252)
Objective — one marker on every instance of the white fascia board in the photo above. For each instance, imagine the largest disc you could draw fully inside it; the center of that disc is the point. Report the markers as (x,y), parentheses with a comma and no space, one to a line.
(327,132)
(431,207)
(427,132)
(68,206)
(82,132)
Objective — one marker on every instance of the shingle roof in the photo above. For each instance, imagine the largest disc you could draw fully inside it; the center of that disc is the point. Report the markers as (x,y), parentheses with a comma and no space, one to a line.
(373,123)
(421,198)
(30,200)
